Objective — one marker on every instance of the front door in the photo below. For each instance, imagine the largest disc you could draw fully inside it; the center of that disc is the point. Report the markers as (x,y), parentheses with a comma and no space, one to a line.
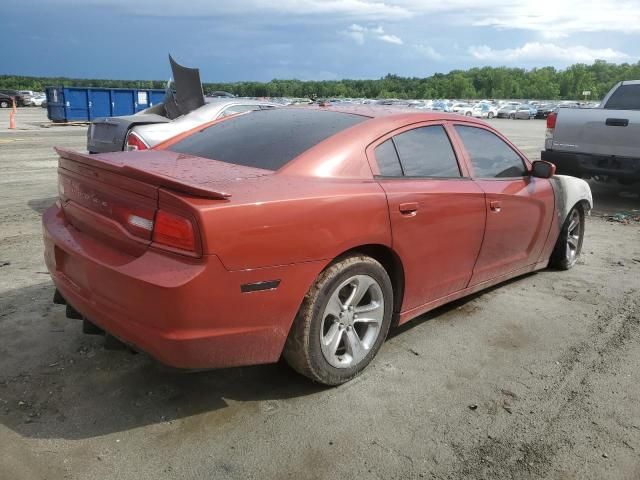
(437,213)
(519,207)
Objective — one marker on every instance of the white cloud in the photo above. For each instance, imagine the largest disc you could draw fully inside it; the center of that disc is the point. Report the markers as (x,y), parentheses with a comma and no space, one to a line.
(557,17)
(390,39)
(358,33)
(567,16)
(369,10)
(548,17)
(428,52)
(546,52)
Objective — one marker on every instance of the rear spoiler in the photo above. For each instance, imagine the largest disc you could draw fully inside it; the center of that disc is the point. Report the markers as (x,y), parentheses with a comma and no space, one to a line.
(144,175)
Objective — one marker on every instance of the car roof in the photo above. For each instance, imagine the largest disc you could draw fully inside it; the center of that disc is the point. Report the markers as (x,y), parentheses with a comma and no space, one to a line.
(351,160)
(204,112)
(382,111)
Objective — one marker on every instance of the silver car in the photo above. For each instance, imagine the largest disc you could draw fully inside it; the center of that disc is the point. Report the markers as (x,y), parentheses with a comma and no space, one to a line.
(508,111)
(148,128)
(146,136)
(525,112)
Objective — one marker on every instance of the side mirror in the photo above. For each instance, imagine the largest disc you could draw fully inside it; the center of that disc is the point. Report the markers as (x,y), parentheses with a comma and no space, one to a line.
(542,169)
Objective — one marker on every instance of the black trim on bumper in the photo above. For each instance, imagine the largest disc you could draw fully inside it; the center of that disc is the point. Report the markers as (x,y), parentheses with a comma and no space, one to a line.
(585,165)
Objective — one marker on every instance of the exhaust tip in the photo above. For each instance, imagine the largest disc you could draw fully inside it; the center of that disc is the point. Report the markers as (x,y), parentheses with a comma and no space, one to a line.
(58,299)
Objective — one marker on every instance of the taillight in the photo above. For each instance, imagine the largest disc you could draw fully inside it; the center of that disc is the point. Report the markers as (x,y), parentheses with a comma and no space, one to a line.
(134,142)
(551,125)
(137,220)
(174,231)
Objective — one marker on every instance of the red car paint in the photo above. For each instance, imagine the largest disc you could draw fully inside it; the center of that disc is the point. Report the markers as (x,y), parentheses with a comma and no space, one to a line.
(448,238)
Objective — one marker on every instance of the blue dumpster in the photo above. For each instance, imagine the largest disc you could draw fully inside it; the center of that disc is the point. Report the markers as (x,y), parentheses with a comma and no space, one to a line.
(83,104)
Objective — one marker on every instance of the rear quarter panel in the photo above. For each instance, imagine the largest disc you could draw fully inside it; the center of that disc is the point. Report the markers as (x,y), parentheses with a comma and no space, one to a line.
(281,220)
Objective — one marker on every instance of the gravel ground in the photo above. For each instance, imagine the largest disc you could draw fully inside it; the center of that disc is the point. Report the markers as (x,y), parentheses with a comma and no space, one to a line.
(536,378)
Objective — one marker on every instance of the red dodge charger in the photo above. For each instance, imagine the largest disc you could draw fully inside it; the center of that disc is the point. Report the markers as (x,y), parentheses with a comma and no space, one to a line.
(300,232)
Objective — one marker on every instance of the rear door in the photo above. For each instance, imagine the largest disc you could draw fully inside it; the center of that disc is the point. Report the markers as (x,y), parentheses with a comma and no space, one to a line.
(437,212)
(519,207)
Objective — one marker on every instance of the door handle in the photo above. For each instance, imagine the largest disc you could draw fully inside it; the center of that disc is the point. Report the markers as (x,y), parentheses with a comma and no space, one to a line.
(617,122)
(495,206)
(408,209)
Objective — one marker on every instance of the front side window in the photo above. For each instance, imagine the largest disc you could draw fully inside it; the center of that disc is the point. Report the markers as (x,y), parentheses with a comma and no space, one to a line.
(426,152)
(490,156)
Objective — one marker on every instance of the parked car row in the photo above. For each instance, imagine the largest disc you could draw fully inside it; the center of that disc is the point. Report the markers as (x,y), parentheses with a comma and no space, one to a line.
(22,98)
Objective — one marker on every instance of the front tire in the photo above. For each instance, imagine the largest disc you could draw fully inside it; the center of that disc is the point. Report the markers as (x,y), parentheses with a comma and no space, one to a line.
(342,322)
(4,104)
(490,115)
(569,244)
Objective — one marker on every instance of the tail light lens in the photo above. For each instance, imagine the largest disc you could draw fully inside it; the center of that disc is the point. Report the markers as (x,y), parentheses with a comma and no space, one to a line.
(134,142)
(174,231)
(138,221)
(551,125)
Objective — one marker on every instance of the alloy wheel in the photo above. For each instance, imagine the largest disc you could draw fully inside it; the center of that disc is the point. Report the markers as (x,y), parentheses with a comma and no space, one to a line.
(574,234)
(351,321)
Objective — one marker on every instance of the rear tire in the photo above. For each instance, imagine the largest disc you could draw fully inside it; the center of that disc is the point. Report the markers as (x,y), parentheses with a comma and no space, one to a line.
(490,115)
(569,244)
(512,116)
(328,342)
(4,104)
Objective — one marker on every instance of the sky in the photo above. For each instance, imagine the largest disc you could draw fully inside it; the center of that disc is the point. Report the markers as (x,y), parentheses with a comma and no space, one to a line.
(260,40)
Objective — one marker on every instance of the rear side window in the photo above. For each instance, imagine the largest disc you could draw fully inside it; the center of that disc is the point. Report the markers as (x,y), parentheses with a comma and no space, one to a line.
(626,97)
(267,139)
(426,152)
(490,156)
(388,161)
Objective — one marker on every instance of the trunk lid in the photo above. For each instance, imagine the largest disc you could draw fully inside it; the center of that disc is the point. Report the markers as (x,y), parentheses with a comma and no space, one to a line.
(114,197)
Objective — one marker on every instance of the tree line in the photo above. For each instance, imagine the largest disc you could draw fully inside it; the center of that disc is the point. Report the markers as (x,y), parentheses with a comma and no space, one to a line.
(485,82)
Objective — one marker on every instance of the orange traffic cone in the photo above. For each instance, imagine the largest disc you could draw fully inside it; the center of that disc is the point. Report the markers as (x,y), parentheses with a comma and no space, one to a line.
(12,116)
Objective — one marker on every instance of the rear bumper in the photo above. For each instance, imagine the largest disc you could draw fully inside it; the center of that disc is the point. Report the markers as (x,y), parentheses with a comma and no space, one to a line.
(184,313)
(586,165)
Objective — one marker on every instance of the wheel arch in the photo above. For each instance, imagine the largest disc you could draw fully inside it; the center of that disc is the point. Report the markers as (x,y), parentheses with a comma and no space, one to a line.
(391,262)
(570,192)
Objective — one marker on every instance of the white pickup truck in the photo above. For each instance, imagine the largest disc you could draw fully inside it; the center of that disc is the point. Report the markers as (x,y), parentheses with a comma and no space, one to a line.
(598,142)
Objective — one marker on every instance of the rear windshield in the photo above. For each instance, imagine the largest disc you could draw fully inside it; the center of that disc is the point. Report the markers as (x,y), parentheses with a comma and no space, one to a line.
(626,97)
(266,139)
